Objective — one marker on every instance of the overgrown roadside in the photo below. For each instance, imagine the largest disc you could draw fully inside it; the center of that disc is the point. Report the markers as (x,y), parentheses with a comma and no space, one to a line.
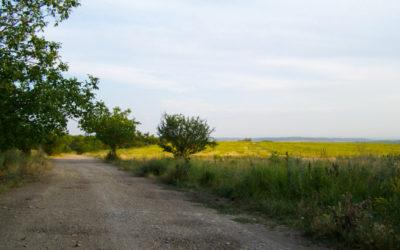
(84,203)
(17,168)
(351,202)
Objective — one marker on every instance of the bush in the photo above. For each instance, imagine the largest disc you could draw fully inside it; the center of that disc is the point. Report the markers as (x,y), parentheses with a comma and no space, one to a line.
(183,136)
(154,167)
(178,174)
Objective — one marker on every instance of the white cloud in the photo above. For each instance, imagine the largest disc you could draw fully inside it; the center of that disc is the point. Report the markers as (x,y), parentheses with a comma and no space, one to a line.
(349,69)
(193,106)
(336,62)
(125,74)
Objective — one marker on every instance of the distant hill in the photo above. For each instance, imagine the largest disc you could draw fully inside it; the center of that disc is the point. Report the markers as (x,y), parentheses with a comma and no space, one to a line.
(308,139)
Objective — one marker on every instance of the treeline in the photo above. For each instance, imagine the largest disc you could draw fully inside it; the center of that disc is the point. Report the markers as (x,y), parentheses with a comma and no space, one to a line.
(80,144)
(38,98)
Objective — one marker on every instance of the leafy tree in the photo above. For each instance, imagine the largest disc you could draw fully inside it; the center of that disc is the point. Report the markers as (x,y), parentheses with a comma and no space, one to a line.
(90,118)
(36,99)
(81,144)
(114,129)
(149,139)
(183,136)
(56,144)
(144,139)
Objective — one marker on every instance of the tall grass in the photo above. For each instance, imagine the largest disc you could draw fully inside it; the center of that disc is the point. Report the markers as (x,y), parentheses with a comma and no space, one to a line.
(17,168)
(355,200)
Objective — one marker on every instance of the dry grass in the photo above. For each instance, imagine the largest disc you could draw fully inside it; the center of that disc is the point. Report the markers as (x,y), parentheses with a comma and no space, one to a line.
(17,168)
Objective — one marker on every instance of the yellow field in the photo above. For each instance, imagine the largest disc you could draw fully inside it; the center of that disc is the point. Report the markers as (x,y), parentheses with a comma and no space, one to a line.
(264,149)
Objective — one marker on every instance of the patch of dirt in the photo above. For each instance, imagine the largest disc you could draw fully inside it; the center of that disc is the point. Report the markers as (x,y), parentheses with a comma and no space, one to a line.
(84,203)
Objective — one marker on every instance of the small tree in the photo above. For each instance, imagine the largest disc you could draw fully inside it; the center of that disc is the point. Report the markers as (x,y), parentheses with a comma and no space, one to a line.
(183,136)
(113,129)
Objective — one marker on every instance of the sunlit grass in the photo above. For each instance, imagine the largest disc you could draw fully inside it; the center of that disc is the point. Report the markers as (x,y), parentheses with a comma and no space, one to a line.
(264,149)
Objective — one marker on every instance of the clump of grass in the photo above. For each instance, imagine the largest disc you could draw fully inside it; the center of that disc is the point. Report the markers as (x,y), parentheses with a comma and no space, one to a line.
(354,200)
(17,168)
(170,170)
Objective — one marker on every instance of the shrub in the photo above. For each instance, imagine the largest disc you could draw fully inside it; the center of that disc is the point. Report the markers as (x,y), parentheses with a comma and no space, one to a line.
(178,174)
(155,167)
(183,136)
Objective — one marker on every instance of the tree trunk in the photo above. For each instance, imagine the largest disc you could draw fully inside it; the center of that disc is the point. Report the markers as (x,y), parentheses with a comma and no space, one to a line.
(114,151)
(26,151)
(112,155)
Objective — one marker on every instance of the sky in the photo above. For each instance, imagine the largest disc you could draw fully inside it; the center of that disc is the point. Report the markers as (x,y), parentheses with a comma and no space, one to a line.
(251,68)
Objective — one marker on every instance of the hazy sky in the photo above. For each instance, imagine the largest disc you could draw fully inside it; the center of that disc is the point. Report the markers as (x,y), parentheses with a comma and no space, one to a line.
(252,68)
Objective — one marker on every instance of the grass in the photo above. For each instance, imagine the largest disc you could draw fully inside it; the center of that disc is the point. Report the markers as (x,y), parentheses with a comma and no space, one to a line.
(352,199)
(264,149)
(17,168)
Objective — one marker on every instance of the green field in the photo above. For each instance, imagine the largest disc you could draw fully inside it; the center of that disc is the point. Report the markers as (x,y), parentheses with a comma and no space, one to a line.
(264,149)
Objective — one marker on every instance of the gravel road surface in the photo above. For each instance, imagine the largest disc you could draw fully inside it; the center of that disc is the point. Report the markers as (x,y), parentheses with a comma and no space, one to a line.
(86,204)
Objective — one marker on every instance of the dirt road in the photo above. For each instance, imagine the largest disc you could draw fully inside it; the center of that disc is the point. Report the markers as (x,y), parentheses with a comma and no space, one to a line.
(84,203)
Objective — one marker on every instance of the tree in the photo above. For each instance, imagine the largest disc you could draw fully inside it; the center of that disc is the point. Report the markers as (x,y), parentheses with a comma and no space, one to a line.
(36,99)
(144,139)
(55,144)
(81,144)
(183,136)
(113,129)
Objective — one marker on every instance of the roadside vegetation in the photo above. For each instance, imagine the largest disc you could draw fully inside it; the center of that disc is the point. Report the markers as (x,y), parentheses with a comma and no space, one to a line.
(17,168)
(350,201)
(343,192)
